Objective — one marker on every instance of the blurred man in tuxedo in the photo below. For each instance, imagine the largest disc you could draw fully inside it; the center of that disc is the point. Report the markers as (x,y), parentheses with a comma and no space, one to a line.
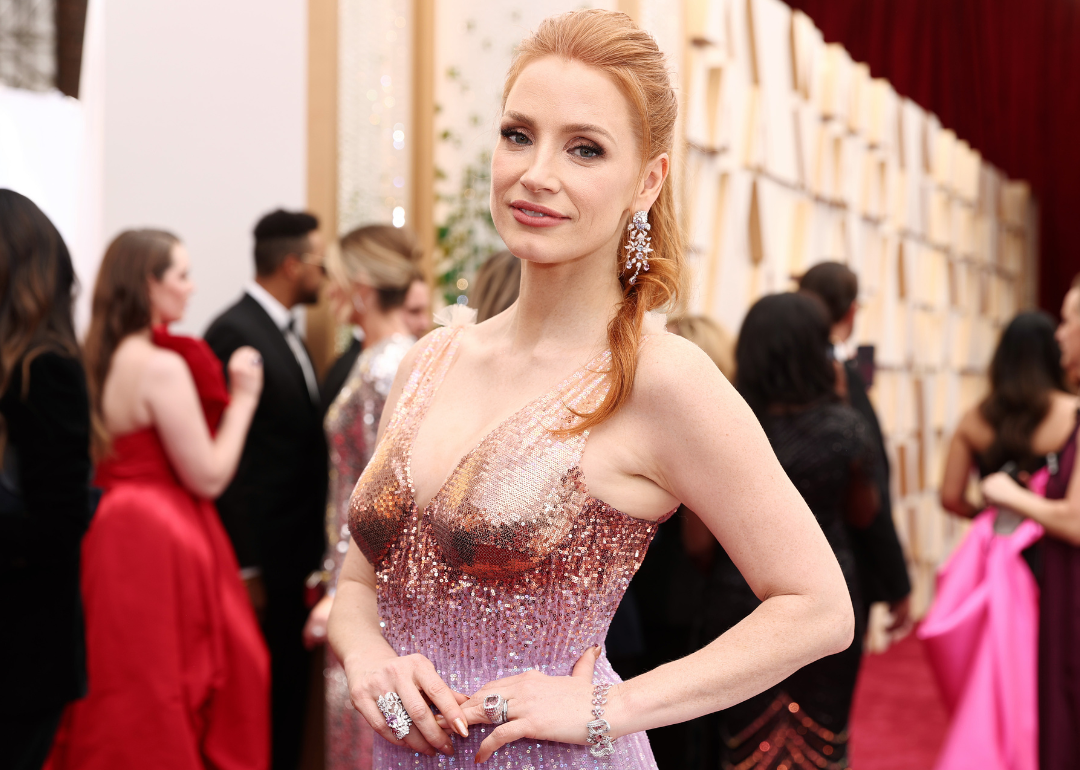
(273,510)
(880,559)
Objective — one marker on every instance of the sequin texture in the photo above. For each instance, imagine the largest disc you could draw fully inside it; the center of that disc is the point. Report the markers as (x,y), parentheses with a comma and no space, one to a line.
(512,566)
(352,425)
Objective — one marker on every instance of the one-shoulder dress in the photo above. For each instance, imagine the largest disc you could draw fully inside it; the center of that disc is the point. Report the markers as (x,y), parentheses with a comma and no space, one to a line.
(512,566)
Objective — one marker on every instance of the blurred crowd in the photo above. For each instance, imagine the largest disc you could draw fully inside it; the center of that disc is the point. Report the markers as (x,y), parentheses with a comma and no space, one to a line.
(174,511)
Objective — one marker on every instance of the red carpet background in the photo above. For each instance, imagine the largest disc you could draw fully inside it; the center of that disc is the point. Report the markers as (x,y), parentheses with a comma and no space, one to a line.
(898,721)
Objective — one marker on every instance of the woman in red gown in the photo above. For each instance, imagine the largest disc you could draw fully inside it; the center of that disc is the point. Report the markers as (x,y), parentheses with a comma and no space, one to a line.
(178,671)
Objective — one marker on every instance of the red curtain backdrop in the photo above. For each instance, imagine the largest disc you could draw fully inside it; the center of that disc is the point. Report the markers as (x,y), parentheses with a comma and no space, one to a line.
(1004,75)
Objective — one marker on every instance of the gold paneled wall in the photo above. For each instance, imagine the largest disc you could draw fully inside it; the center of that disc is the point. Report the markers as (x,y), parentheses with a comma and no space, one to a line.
(794,155)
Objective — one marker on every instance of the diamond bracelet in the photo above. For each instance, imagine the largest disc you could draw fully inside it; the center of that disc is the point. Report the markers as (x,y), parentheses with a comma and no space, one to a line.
(601,744)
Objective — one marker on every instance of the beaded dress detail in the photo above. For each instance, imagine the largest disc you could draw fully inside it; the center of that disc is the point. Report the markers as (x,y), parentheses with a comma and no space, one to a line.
(512,566)
(352,426)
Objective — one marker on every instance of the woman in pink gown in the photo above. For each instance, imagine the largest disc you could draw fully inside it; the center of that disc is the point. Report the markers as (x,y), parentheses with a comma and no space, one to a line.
(525,462)
(981,631)
(178,671)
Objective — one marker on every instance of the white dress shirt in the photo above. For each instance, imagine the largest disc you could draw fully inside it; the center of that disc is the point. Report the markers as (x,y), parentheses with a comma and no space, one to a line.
(284,319)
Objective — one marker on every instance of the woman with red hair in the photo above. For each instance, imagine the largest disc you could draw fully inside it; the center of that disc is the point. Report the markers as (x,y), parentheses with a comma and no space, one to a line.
(525,462)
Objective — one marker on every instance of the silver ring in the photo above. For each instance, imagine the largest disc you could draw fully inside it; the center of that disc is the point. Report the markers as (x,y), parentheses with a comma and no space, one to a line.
(256,360)
(495,709)
(393,711)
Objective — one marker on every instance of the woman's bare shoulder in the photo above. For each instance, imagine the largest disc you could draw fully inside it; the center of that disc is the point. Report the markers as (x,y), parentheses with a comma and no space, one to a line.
(405,370)
(1062,402)
(673,368)
(974,430)
(1058,425)
(164,366)
(679,390)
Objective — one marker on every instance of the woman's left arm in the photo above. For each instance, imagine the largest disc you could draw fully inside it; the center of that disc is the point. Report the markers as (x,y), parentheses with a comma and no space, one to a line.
(1060,518)
(702,444)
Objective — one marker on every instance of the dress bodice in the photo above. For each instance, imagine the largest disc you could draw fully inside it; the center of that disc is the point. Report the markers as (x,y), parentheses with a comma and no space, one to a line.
(138,456)
(513,565)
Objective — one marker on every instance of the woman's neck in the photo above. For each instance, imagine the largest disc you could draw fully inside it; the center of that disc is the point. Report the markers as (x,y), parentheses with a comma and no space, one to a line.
(564,306)
(378,326)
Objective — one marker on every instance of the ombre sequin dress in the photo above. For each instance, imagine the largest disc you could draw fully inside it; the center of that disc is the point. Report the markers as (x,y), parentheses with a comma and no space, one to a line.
(352,425)
(512,566)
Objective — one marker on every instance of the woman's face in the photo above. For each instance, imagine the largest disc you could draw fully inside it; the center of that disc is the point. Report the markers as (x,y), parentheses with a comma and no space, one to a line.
(565,173)
(1068,334)
(417,309)
(169,296)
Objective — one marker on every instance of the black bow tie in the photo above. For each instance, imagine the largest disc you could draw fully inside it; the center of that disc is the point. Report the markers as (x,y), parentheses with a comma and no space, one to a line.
(291,325)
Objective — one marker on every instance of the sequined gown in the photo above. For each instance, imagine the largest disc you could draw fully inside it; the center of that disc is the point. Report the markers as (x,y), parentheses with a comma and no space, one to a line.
(352,425)
(512,565)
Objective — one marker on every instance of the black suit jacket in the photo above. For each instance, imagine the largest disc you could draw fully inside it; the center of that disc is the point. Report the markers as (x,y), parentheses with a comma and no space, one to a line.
(42,650)
(334,380)
(879,558)
(274,508)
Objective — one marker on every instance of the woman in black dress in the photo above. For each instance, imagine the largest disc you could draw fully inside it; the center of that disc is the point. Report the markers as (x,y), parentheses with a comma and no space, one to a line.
(44,488)
(785,373)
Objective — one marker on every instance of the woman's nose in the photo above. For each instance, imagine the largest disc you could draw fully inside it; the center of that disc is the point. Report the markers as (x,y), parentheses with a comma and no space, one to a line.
(540,175)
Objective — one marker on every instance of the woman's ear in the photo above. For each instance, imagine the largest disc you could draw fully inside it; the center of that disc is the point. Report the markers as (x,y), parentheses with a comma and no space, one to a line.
(368,294)
(656,171)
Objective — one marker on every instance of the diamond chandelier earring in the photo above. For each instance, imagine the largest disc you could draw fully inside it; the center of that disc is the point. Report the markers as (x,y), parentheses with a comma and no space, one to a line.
(640,246)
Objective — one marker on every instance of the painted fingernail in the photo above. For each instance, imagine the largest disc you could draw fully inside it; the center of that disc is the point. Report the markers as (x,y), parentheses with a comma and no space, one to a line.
(461,727)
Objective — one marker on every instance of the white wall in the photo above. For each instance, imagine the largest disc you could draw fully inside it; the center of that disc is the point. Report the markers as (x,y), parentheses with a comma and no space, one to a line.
(204,128)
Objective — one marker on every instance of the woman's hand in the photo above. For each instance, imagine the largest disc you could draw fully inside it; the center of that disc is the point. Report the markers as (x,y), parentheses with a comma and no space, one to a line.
(414,679)
(315,628)
(1000,489)
(540,707)
(246,373)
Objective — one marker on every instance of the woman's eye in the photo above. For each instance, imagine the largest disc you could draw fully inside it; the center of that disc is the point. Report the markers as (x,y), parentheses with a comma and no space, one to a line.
(515,137)
(587,151)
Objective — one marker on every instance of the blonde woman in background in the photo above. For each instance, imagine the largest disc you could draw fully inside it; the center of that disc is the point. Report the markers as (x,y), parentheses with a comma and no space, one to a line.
(416,310)
(373,273)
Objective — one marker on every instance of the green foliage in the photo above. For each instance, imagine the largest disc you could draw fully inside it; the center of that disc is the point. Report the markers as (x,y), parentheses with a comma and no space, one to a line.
(467,235)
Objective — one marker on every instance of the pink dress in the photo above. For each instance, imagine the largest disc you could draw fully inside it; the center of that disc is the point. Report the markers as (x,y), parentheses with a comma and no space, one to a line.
(512,566)
(981,636)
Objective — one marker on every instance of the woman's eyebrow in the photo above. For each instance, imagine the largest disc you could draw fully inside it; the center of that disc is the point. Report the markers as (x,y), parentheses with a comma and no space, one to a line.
(588,128)
(575,128)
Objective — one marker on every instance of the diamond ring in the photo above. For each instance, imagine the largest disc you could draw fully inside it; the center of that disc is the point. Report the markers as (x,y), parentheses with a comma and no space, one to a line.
(397,718)
(495,709)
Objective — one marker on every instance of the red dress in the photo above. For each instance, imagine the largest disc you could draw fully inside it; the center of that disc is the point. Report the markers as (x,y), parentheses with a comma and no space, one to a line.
(179,675)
